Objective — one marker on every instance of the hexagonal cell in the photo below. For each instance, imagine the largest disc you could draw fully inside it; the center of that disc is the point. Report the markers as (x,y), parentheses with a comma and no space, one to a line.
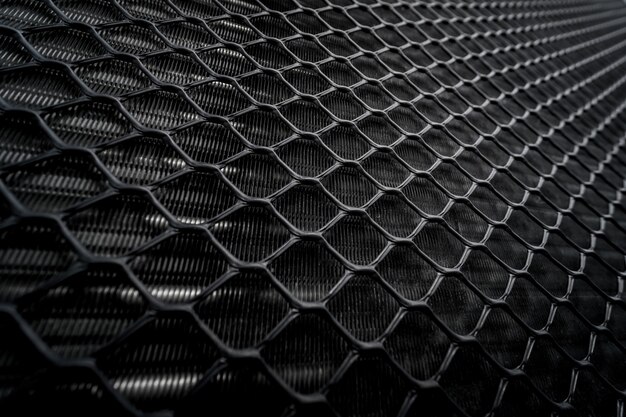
(415,154)
(356,239)
(439,244)
(257,174)
(187,35)
(509,250)
(386,169)
(244,310)
(248,389)
(418,345)
(378,130)
(346,141)
(161,110)
(308,270)
(227,61)
(180,268)
(549,275)
(176,68)
(117,224)
(237,30)
(22,14)
(306,116)
(88,124)
(468,307)
(349,185)
(57,183)
(394,215)
(37,87)
(425,195)
(85,312)
(208,142)
(67,45)
(407,272)
(141,160)
(503,338)
(159,363)
(251,233)
(196,197)
(488,275)
(342,105)
(306,207)
(369,384)
(307,353)
(132,39)
(91,12)
(471,381)
(261,127)
(466,222)
(363,307)
(22,139)
(113,77)
(218,97)
(306,157)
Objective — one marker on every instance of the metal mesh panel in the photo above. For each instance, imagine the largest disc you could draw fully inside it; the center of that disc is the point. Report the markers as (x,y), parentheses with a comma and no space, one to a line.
(313,207)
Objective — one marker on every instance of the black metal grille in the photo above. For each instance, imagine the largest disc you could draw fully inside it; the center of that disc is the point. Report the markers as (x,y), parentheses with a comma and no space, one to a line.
(313,207)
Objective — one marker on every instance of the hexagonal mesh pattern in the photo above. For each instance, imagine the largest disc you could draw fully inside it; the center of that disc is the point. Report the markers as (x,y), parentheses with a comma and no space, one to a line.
(313,207)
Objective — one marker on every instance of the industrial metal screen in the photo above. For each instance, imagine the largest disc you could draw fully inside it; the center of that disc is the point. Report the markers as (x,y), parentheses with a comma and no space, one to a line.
(313,208)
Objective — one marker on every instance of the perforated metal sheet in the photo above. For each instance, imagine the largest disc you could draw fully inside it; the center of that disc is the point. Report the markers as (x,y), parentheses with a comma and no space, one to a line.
(312,207)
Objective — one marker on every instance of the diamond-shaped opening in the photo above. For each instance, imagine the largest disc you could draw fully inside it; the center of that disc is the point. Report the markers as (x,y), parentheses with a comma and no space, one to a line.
(363,307)
(176,68)
(306,116)
(21,14)
(261,127)
(346,142)
(237,30)
(509,250)
(452,179)
(371,387)
(306,80)
(425,195)
(503,338)
(529,303)
(251,233)
(340,73)
(133,39)
(306,353)
(520,400)
(386,169)
(588,301)
(12,52)
(471,381)
(342,105)
(22,139)
(257,174)
(415,154)
(468,307)
(570,332)
(67,45)
(489,204)
(208,142)
(525,227)
(270,54)
(196,197)
(418,345)
(484,272)
(356,239)
(306,157)
(180,268)
(549,275)
(88,310)
(37,87)
(117,224)
(31,253)
(88,124)
(187,35)
(227,61)
(56,183)
(549,370)
(465,221)
(394,215)
(439,244)
(152,10)
(306,207)
(91,12)
(378,130)
(350,186)
(407,272)
(308,270)
(266,88)
(374,96)
(168,355)
(240,389)
(244,310)
(161,110)
(113,77)
(141,160)
(218,97)
(407,119)
(306,50)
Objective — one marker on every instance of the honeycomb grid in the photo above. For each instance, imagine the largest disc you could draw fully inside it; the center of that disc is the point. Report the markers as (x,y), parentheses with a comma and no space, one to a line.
(313,207)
